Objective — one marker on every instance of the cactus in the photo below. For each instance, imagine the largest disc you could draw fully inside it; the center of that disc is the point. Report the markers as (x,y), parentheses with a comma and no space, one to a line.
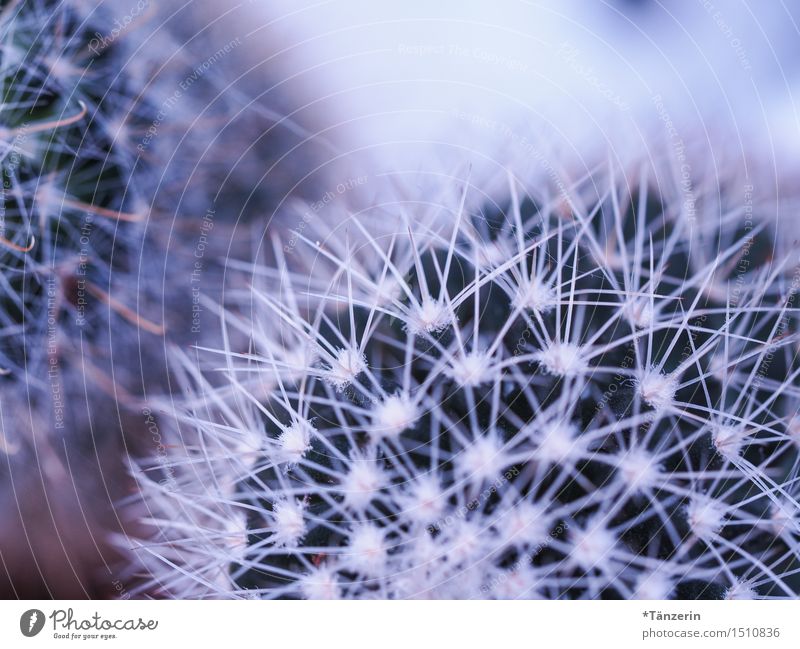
(584,393)
(70,209)
(116,132)
(588,391)
(72,225)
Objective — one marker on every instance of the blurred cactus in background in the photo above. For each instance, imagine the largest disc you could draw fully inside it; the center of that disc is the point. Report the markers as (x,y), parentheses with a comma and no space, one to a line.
(72,227)
(71,215)
(115,139)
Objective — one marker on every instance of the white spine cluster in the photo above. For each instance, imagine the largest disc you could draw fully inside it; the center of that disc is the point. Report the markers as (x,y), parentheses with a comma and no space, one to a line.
(552,422)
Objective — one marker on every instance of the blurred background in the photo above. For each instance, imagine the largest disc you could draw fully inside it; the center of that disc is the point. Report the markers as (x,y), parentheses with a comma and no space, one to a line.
(379,79)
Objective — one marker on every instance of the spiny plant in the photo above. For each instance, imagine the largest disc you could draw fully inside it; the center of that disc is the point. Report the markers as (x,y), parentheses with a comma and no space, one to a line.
(587,392)
(69,213)
(71,227)
(113,123)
